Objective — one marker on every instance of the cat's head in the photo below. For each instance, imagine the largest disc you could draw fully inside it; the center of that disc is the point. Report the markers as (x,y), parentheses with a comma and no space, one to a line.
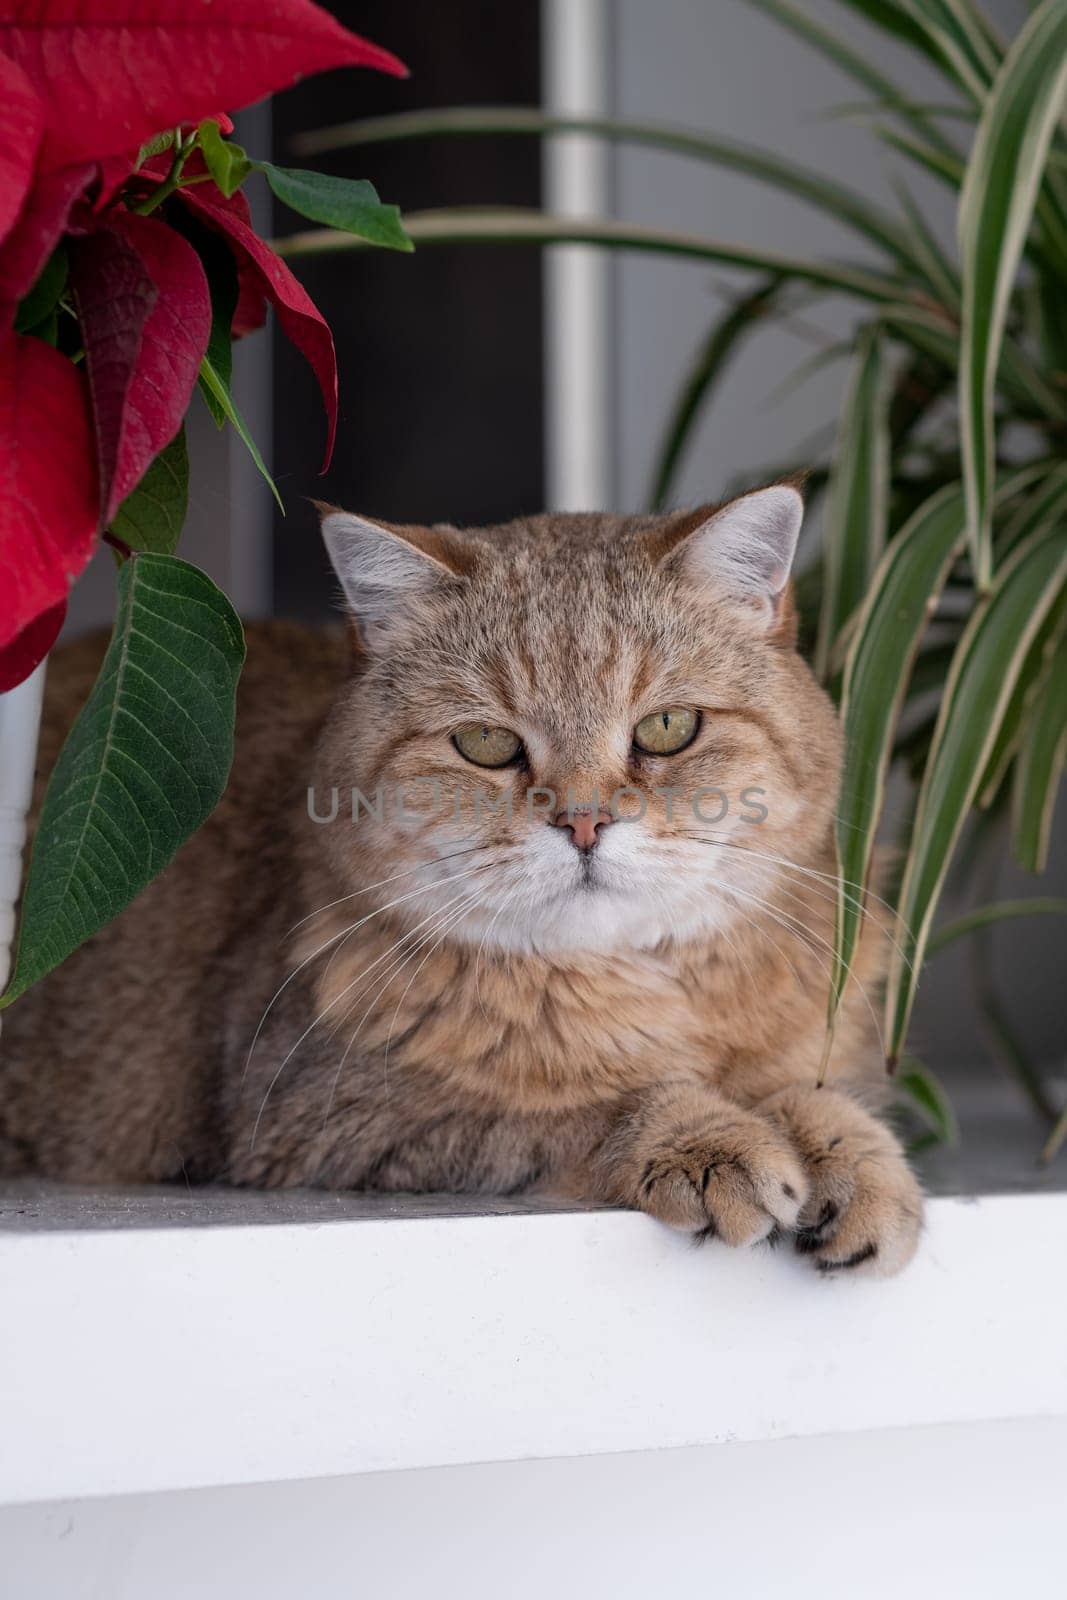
(581,730)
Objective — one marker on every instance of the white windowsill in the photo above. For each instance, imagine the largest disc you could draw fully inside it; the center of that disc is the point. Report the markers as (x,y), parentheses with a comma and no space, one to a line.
(165,1339)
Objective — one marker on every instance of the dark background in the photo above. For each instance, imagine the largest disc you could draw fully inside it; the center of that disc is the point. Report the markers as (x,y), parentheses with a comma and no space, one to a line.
(439,352)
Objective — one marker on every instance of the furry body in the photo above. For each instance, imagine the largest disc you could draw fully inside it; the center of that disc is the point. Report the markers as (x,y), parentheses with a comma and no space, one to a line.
(456,1000)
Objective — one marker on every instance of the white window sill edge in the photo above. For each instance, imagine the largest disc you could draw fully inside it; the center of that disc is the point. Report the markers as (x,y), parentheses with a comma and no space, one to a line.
(166,1355)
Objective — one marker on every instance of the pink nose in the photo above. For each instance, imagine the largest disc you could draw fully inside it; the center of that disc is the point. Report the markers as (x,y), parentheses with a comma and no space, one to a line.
(585,828)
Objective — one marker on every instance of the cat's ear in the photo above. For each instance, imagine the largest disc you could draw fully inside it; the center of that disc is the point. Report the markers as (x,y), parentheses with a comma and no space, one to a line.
(744,551)
(383,569)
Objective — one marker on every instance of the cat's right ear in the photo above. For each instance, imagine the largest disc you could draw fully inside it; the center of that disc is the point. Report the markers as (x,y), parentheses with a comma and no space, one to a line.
(382,569)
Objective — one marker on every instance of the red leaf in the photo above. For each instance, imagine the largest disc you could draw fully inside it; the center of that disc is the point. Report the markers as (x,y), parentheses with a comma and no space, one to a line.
(250,312)
(299,316)
(48,496)
(37,232)
(145,312)
(115,298)
(112,73)
(21,126)
(28,650)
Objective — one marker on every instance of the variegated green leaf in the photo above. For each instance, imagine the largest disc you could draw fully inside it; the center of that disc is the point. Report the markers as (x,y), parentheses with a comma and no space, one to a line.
(986,916)
(1031,683)
(858,496)
(996,205)
(1017,375)
(836,199)
(939,272)
(1046,505)
(927,1095)
(517,225)
(1039,767)
(988,660)
(931,157)
(957,39)
(884,644)
(712,360)
(829,43)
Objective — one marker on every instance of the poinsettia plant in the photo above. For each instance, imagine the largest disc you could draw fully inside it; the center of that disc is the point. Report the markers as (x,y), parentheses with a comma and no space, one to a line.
(128,265)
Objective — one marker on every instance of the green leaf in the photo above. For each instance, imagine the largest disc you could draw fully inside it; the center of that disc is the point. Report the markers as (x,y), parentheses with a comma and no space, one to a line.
(1047,505)
(155,147)
(996,205)
(927,1095)
(227,162)
(351,204)
(1039,767)
(894,19)
(712,359)
(152,517)
(938,271)
(932,158)
(213,388)
(957,41)
(143,766)
(988,660)
(838,350)
(39,305)
(835,199)
(1055,1141)
(1031,682)
(884,643)
(858,495)
(516,225)
(1018,376)
(830,44)
(999,1028)
(985,916)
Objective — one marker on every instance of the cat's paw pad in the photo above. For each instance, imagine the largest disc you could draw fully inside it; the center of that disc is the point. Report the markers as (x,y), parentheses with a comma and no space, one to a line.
(737,1180)
(864,1208)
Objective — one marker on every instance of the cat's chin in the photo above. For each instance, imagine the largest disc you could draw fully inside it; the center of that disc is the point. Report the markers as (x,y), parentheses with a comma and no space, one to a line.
(592,917)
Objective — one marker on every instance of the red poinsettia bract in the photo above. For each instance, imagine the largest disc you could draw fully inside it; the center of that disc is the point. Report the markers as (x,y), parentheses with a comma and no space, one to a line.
(83,85)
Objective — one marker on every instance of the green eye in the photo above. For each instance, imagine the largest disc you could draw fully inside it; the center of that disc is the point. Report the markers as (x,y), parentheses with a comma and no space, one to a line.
(486,747)
(664,733)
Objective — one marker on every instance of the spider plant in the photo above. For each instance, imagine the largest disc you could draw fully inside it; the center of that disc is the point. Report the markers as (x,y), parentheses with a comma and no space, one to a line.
(941,599)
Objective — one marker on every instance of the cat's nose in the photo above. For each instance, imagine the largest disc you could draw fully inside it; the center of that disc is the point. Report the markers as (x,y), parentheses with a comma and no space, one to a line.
(585,826)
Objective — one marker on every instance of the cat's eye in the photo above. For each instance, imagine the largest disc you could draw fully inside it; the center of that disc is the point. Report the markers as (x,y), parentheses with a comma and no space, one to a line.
(664,733)
(487,747)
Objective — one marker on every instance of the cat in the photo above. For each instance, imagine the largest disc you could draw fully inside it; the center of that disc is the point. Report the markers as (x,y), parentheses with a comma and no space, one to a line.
(522,885)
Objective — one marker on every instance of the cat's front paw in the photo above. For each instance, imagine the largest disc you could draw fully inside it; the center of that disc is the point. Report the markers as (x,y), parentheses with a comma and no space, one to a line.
(863,1211)
(731,1176)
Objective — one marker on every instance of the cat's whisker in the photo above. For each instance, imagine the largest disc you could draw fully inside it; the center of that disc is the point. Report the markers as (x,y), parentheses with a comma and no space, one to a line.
(420,866)
(396,1011)
(390,951)
(446,920)
(784,861)
(857,901)
(339,939)
(436,918)
(509,899)
(337,998)
(437,883)
(817,889)
(723,933)
(787,922)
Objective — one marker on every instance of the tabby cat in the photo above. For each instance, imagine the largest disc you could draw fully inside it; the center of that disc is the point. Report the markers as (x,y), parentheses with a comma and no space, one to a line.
(522,885)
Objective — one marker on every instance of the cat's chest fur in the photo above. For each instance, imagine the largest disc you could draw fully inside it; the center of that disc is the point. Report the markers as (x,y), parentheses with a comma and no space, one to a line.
(538,1033)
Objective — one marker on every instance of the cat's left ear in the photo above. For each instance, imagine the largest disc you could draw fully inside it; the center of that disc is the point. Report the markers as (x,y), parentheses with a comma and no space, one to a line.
(384,570)
(744,552)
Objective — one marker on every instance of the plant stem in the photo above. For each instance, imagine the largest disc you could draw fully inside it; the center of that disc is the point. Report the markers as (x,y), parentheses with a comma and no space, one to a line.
(120,545)
(170,182)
